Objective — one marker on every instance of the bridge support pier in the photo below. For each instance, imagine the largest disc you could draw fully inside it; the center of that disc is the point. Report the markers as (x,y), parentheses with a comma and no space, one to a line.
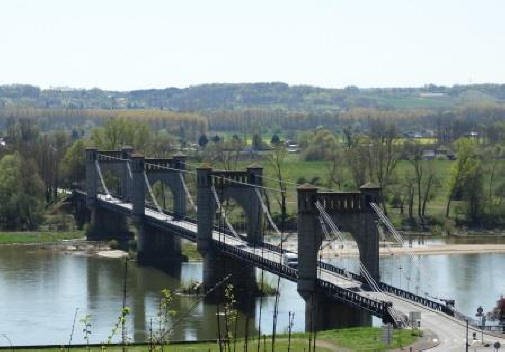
(82,215)
(216,267)
(158,247)
(323,313)
(106,225)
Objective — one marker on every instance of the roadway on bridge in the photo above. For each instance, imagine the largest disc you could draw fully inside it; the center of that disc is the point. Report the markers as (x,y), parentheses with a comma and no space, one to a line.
(450,331)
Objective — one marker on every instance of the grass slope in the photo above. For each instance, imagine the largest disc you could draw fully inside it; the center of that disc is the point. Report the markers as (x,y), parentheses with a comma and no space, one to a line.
(38,237)
(353,339)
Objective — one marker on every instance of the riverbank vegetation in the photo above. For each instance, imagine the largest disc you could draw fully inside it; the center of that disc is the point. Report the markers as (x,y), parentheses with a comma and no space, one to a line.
(38,237)
(352,339)
(440,171)
(189,250)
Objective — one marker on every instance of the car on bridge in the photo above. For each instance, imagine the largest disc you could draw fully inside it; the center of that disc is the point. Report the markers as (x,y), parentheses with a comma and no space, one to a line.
(290,259)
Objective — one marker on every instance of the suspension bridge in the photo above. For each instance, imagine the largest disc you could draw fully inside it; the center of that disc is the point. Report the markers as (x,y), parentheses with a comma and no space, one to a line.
(331,293)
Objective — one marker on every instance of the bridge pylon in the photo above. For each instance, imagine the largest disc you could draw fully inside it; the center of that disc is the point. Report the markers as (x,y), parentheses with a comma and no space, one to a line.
(351,212)
(104,224)
(239,186)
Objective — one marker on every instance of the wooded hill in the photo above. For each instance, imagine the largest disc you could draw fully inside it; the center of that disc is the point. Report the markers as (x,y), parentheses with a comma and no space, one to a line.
(273,95)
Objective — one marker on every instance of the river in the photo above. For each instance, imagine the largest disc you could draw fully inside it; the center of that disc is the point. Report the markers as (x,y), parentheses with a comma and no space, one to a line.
(40,290)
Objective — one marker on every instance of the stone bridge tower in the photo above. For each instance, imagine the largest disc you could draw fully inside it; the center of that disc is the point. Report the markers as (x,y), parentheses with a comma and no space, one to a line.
(351,212)
(239,186)
(166,171)
(105,224)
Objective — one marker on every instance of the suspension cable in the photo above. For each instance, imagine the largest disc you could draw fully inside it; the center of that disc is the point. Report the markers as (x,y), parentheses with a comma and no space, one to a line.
(292,183)
(224,216)
(112,157)
(151,193)
(267,213)
(171,168)
(368,277)
(330,222)
(398,237)
(246,184)
(129,169)
(186,190)
(99,170)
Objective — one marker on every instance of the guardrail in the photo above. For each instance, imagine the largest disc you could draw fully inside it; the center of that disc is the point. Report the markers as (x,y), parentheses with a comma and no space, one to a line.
(377,308)
(415,298)
(283,270)
(391,289)
(259,261)
(340,271)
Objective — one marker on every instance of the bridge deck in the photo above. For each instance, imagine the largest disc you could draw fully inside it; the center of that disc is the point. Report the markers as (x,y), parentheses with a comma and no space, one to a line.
(450,330)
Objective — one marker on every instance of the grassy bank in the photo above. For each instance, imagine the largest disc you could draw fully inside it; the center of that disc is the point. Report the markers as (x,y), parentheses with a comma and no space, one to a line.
(38,237)
(189,250)
(353,339)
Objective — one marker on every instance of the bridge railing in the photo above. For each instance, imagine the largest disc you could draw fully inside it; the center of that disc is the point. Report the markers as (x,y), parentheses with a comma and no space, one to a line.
(257,260)
(109,155)
(160,164)
(416,298)
(227,177)
(391,289)
(340,271)
(378,308)
(341,202)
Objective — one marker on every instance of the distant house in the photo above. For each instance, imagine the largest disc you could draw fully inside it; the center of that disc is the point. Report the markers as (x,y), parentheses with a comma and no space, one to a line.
(413,134)
(472,134)
(444,153)
(292,147)
(432,94)
(429,154)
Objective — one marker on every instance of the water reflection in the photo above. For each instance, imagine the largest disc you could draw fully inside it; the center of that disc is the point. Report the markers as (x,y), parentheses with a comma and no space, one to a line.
(40,290)
(473,280)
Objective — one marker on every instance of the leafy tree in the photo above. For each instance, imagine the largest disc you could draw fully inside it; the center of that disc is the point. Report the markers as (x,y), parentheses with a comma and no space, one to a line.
(383,154)
(463,169)
(203,140)
(21,193)
(321,145)
(473,192)
(257,142)
(72,165)
(335,169)
(164,317)
(277,161)
(357,159)
(122,132)
(275,140)
(425,176)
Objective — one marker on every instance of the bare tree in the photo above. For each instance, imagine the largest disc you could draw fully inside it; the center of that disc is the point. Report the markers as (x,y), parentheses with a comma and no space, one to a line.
(383,152)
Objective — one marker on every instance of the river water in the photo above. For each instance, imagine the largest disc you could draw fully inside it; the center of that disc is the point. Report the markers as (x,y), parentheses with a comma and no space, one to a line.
(41,289)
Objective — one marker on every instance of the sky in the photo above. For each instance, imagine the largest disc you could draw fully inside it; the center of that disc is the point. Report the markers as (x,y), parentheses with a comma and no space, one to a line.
(142,44)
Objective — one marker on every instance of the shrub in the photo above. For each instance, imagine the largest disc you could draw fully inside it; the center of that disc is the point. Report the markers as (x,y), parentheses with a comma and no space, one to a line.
(114,244)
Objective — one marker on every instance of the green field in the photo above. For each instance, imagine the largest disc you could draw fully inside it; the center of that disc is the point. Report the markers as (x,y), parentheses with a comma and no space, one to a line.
(296,170)
(189,250)
(38,237)
(352,339)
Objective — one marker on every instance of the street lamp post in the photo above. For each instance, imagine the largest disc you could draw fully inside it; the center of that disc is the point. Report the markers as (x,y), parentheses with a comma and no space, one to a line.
(480,314)
(466,344)
(400,267)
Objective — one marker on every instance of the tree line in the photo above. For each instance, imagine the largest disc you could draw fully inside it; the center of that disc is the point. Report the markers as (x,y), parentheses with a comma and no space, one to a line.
(409,180)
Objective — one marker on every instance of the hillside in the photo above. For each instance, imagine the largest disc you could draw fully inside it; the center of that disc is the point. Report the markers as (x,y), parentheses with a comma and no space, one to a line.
(273,95)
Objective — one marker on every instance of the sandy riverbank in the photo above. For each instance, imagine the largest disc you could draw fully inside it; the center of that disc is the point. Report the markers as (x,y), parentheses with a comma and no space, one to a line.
(422,250)
(113,253)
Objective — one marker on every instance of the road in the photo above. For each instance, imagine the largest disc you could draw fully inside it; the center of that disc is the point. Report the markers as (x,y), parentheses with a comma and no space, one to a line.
(450,331)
